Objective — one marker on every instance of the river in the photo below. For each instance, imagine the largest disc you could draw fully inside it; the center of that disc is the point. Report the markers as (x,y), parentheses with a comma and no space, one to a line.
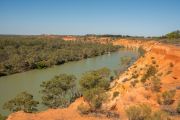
(30,81)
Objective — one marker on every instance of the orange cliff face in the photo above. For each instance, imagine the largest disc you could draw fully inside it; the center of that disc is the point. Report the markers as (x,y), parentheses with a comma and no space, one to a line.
(165,58)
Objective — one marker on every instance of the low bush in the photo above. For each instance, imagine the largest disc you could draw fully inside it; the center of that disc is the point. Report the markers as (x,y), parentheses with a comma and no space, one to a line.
(133,83)
(159,115)
(134,75)
(22,102)
(138,112)
(115,94)
(144,112)
(83,109)
(126,60)
(93,87)
(156,84)
(114,115)
(167,97)
(151,71)
(60,91)
(141,51)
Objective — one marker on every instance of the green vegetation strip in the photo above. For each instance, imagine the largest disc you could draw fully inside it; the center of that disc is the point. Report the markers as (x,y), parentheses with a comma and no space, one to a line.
(22,53)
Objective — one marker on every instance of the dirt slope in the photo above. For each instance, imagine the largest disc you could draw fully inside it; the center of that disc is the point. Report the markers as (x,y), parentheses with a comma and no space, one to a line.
(165,58)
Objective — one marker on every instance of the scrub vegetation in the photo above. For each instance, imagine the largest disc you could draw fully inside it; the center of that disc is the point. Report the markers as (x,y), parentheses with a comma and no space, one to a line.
(60,91)
(23,101)
(94,84)
(144,112)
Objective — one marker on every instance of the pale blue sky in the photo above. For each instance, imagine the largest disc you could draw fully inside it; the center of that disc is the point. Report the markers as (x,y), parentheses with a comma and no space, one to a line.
(132,17)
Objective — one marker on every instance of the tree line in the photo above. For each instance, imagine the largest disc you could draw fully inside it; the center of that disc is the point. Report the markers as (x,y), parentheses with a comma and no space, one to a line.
(22,53)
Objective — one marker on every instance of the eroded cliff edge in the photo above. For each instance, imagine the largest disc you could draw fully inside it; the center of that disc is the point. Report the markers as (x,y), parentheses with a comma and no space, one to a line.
(166,60)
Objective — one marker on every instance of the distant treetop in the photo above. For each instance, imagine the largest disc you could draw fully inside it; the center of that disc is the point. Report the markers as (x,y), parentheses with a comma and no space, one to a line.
(173,35)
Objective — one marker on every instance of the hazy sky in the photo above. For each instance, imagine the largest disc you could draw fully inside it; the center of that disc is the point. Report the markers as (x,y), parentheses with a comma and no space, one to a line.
(132,17)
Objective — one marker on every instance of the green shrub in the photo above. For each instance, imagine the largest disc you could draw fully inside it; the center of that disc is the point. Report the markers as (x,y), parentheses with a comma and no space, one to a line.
(160,115)
(93,86)
(134,75)
(156,84)
(144,112)
(95,97)
(133,83)
(113,115)
(151,71)
(126,60)
(41,65)
(167,97)
(141,51)
(173,35)
(138,112)
(23,101)
(83,109)
(115,94)
(59,91)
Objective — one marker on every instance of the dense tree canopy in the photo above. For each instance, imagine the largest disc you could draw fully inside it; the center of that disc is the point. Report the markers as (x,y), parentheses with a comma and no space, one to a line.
(23,101)
(21,53)
(59,91)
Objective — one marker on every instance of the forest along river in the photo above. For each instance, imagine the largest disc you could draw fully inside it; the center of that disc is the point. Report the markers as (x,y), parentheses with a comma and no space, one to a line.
(30,81)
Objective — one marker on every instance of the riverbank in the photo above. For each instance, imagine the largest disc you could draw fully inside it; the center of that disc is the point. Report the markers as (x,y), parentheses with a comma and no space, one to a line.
(164,58)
